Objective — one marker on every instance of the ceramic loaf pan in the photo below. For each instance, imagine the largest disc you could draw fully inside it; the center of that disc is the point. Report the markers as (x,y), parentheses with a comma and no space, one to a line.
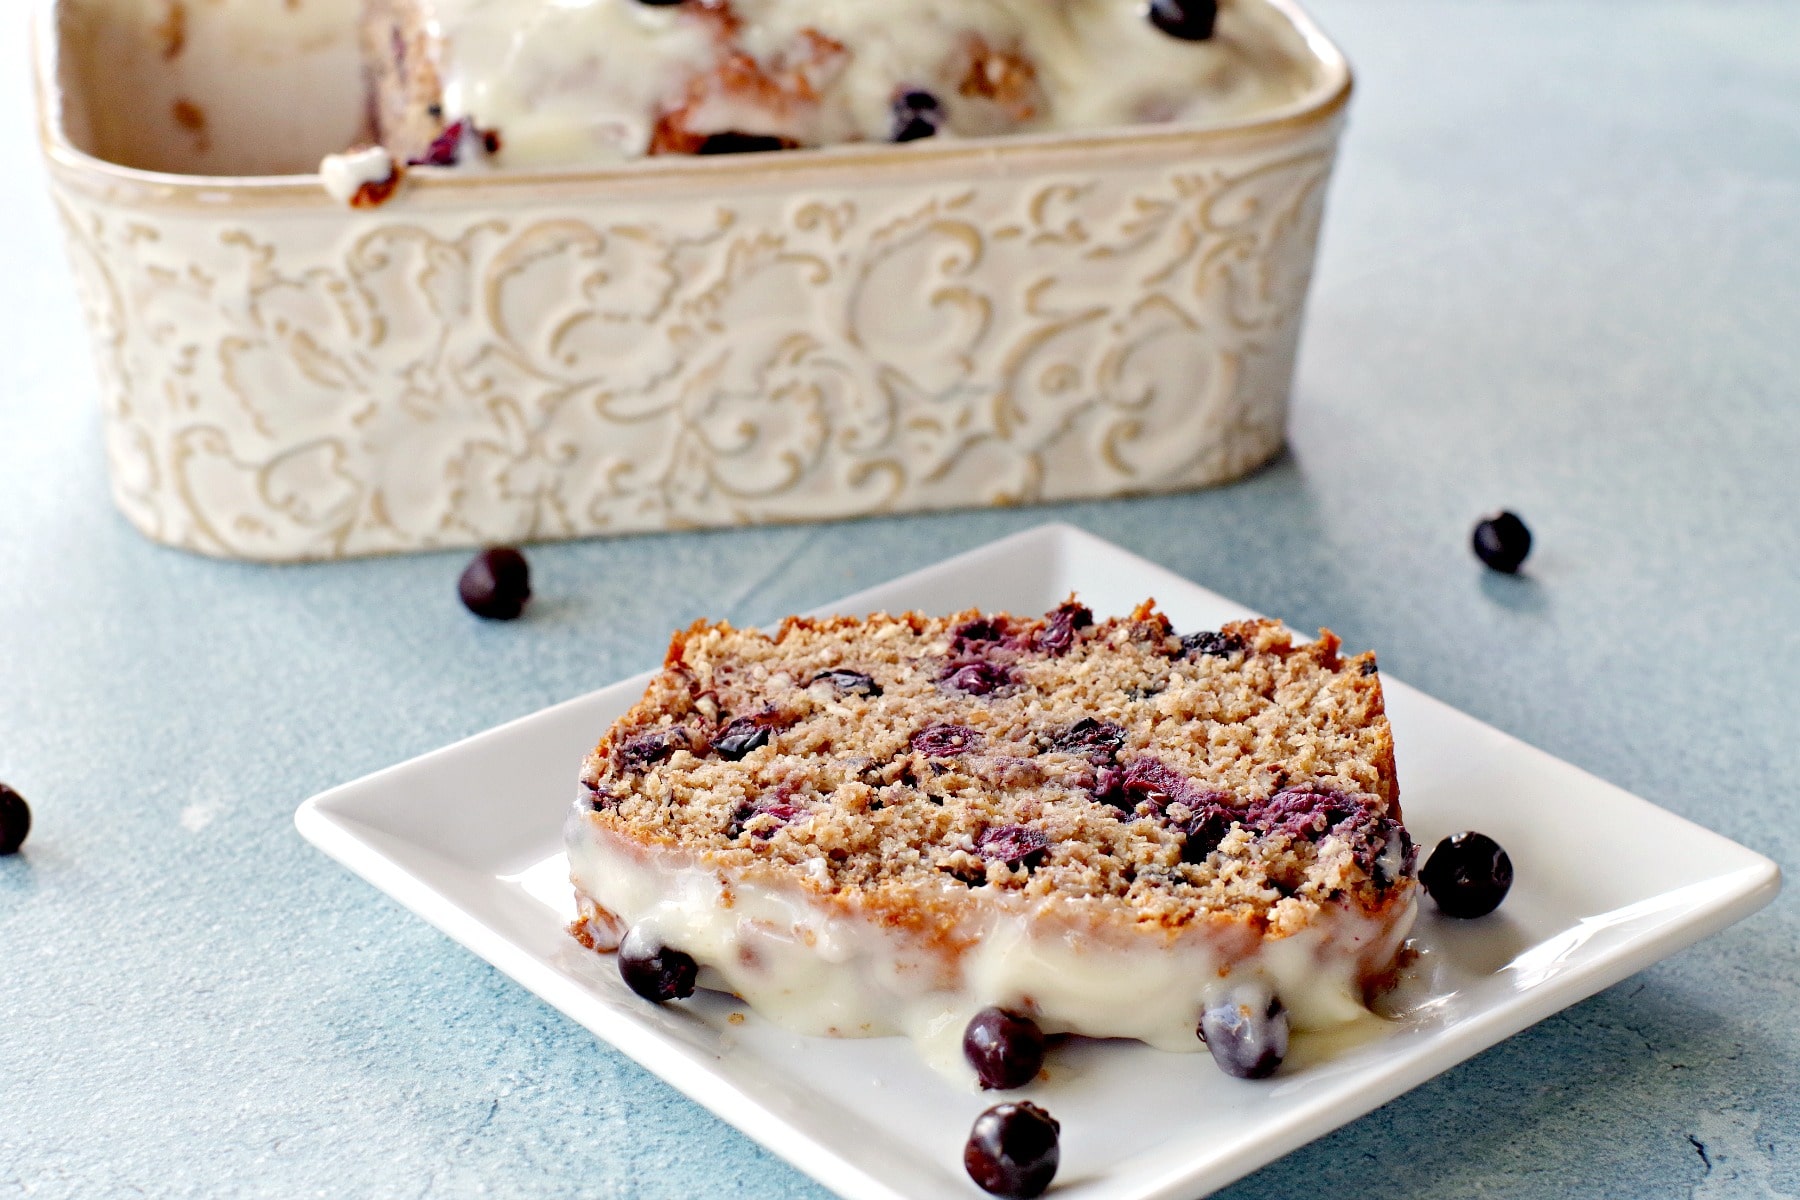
(665,344)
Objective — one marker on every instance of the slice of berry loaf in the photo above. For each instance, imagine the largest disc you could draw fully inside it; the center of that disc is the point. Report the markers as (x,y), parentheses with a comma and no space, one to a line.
(891,825)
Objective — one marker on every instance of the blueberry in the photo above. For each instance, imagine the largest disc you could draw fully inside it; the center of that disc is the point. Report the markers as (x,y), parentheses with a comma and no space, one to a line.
(1247,1031)
(1502,541)
(445,150)
(654,971)
(947,741)
(917,115)
(1014,845)
(1468,875)
(981,629)
(777,807)
(1096,740)
(740,737)
(15,820)
(1189,20)
(1210,818)
(976,678)
(1211,644)
(496,584)
(1311,811)
(651,747)
(1058,633)
(847,682)
(739,143)
(1386,852)
(1147,781)
(1012,1150)
(1005,1049)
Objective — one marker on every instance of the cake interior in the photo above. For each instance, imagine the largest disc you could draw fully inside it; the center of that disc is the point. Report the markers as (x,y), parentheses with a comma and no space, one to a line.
(1112,763)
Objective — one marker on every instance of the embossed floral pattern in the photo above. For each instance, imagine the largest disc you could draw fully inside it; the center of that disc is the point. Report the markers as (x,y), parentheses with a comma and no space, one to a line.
(289,383)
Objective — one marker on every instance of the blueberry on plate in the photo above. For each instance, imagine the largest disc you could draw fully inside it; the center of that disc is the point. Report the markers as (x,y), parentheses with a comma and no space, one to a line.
(1189,20)
(1012,1151)
(1502,541)
(1468,875)
(654,971)
(1005,1048)
(496,584)
(15,820)
(1246,1029)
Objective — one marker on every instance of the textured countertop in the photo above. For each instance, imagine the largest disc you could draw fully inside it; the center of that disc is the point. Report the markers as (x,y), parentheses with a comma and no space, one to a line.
(1561,273)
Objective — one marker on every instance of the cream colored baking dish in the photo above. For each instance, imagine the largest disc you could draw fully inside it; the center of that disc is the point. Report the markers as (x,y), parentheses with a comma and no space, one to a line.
(665,344)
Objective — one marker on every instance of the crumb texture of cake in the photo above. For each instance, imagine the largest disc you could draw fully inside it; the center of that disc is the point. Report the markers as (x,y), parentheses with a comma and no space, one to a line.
(878,826)
(604,80)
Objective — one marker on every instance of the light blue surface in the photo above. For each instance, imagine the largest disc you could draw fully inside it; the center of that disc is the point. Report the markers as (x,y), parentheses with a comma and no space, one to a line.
(1561,272)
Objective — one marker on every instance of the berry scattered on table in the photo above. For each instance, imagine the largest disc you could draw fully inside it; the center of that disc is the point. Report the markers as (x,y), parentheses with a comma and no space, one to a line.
(1189,20)
(1468,875)
(1012,1151)
(1246,1030)
(1502,541)
(656,972)
(1005,1048)
(917,114)
(496,584)
(15,820)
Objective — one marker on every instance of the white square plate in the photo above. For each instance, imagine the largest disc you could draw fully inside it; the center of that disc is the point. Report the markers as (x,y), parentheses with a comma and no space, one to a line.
(469,838)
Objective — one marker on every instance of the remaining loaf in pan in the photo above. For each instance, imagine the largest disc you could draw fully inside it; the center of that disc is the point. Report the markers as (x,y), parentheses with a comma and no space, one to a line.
(543,82)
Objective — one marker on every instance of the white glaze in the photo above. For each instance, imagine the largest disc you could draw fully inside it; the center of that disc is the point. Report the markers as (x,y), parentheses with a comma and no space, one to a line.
(583,80)
(344,175)
(819,969)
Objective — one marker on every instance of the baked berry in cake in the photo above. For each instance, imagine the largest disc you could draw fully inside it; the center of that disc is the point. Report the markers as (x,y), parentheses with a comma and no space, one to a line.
(1502,541)
(1013,1150)
(496,584)
(538,82)
(979,829)
(15,820)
